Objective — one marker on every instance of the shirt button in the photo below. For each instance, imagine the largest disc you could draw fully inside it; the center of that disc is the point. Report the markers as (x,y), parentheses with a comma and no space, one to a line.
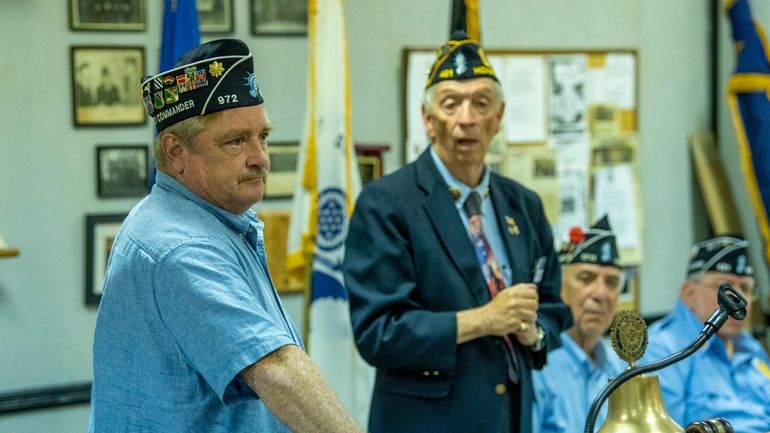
(435,373)
(500,389)
(426,373)
(240,235)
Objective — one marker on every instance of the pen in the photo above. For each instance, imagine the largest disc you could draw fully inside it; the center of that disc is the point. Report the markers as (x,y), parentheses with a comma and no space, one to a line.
(537,271)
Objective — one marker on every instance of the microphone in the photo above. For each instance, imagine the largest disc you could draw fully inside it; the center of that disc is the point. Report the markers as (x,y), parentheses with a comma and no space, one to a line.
(731,304)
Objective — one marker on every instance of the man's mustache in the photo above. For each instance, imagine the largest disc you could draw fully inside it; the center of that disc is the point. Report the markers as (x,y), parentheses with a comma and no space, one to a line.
(253,174)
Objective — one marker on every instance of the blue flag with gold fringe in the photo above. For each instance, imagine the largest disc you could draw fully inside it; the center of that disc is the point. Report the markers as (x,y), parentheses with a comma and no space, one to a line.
(180,31)
(747,97)
(180,34)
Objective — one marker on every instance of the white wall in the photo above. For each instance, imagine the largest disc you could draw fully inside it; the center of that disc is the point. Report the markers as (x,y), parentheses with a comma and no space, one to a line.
(47,179)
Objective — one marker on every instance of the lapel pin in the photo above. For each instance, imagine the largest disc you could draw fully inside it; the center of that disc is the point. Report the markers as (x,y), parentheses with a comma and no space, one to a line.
(455,192)
(513,228)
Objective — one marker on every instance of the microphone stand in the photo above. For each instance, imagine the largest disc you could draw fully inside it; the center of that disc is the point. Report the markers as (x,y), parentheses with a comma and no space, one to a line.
(731,303)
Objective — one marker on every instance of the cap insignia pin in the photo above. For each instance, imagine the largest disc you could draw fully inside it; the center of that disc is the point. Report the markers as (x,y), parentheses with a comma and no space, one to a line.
(216,69)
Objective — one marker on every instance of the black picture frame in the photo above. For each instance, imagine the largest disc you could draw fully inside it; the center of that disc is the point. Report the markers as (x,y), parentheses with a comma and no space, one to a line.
(284,156)
(279,17)
(108,15)
(101,230)
(122,170)
(215,16)
(104,85)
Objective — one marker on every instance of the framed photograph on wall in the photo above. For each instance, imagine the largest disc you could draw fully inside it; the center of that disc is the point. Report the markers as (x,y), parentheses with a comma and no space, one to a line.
(108,15)
(275,236)
(283,169)
(279,17)
(121,171)
(369,158)
(100,235)
(105,89)
(215,16)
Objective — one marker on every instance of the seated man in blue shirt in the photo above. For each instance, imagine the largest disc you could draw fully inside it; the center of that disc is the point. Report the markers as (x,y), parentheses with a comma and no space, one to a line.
(729,377)
(191,335)
(577,371)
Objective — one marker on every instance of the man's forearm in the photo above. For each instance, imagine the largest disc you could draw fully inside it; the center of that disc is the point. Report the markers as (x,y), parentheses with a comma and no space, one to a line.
(296,393)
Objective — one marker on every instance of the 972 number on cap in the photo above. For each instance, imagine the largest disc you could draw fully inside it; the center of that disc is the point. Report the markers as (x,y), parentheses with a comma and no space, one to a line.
(226,99)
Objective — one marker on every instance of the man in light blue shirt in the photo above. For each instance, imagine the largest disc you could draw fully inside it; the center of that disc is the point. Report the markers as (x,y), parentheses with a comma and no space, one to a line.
(730,376)
(191,335)
(577,371)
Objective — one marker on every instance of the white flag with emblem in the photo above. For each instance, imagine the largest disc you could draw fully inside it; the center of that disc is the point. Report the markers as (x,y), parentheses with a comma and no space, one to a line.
(325,193)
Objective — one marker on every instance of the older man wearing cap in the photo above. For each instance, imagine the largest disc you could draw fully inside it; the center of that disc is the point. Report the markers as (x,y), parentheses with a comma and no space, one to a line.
(451,271)
(577,371)
(730,376)
(191,335)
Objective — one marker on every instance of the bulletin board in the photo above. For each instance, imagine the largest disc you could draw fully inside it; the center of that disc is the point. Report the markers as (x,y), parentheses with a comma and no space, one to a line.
(569,132)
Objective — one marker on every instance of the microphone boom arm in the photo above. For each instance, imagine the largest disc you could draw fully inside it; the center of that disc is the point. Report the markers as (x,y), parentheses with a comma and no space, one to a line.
(731,303)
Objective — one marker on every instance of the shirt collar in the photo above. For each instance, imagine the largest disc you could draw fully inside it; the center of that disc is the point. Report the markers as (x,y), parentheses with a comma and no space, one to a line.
(239,223)
(580,357)
(454,183)
(693,326)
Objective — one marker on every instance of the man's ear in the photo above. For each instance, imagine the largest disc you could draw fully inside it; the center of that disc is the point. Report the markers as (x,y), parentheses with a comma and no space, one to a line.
(499,117)
(175,152)
(687,292)
(427,120)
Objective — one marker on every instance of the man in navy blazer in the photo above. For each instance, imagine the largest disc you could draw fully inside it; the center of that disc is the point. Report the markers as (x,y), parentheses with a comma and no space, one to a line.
(453,318)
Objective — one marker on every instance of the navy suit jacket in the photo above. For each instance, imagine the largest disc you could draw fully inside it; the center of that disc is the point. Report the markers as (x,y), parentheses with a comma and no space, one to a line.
(409,268)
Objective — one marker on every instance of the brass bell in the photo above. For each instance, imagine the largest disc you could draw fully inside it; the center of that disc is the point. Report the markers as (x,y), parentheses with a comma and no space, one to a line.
(637,407)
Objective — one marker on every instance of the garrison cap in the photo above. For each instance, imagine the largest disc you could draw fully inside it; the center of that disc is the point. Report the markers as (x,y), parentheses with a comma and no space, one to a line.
(214,76)
(460,59)
(726,254)
(596,245)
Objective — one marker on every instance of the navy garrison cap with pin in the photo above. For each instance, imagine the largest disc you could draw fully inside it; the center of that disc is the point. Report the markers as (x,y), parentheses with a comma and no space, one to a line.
(726,254)
(596,245)
(460,59)
(214,76)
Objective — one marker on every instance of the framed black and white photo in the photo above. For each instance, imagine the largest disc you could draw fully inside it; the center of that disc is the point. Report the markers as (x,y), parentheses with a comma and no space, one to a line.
(279,17)
(283,169)
(105,89)
(100,235)
(215,16)
(122,170)
(108,15)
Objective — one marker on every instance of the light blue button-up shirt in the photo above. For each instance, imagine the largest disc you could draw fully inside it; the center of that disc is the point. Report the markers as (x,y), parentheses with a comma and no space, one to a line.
(187,304)
(566,387)
(488,217)
(708,384)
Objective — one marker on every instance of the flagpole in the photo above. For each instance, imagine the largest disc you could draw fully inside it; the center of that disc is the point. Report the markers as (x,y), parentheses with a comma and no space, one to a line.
(306,307)
(310,174)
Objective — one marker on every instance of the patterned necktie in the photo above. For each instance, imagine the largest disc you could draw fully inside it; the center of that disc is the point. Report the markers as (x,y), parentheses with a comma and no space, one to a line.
(484,254)
(493,275)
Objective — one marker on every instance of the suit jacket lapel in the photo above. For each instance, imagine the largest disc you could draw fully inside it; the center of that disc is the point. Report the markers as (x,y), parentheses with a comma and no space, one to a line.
(439,206)
(510,222)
